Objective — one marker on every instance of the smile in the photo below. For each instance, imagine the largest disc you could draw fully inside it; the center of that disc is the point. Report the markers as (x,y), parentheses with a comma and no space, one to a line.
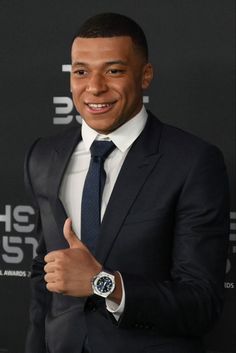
(99,107)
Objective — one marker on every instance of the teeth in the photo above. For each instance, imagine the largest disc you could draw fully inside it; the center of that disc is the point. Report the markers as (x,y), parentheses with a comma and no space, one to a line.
(98,106)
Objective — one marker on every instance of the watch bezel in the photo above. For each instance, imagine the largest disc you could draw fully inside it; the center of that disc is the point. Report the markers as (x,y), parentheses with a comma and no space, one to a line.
(95,283)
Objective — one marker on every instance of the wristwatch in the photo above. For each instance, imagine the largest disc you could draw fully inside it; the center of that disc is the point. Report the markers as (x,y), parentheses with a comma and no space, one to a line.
(103,284)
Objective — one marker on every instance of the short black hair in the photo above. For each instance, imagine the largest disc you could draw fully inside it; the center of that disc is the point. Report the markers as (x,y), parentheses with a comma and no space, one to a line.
(107,25)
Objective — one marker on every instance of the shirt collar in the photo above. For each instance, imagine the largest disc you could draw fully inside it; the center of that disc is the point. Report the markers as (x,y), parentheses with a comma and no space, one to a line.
(123,137)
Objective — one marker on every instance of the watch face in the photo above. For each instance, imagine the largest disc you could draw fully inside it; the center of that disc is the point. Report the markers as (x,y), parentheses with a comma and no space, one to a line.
(104,284)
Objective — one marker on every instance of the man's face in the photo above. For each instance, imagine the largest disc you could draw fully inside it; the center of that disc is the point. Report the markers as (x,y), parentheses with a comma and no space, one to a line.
(107,79)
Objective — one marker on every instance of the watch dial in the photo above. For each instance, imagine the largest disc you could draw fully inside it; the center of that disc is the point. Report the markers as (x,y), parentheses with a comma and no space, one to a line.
(104,284)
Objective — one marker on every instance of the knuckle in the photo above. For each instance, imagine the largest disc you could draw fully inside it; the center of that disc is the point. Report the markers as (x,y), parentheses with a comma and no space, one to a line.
(48,286)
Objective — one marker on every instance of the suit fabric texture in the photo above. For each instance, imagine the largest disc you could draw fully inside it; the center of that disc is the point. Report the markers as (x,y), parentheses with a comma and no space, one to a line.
(165,229)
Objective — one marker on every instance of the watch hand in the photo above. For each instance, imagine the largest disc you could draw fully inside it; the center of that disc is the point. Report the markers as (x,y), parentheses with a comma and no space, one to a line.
(104,284)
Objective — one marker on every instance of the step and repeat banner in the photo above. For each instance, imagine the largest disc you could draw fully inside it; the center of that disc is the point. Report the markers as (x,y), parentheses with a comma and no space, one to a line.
(192,49)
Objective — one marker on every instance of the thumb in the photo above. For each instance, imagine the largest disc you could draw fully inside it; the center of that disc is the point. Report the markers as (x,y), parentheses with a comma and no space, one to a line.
(70,235)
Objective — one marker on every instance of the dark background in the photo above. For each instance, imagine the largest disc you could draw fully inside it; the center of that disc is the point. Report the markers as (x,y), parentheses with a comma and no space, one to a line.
(192,49)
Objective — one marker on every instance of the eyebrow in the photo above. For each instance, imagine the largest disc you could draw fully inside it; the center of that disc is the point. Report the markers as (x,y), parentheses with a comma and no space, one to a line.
(112,62)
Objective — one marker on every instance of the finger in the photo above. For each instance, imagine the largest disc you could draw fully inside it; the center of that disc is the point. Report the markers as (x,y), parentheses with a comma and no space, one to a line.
(70,235)
(50,257)
(50,278)
(53,287)
(49,267)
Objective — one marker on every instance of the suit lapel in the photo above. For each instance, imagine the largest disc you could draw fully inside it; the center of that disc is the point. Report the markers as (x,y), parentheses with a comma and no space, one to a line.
(59,162)
(140,161)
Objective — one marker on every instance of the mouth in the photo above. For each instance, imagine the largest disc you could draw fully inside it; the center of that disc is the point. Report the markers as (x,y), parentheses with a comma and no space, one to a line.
(98,108)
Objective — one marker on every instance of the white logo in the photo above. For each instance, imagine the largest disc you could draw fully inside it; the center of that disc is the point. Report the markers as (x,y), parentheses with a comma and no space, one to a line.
(17,220)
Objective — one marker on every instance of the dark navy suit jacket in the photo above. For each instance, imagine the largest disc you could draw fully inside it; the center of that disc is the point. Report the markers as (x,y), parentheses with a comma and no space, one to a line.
(165,229)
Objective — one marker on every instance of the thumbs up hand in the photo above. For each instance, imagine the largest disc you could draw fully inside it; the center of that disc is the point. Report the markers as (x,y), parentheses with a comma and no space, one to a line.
(70,271)
(72,239)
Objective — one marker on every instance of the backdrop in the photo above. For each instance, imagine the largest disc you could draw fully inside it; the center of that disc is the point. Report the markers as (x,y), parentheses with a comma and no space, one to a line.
(192,49)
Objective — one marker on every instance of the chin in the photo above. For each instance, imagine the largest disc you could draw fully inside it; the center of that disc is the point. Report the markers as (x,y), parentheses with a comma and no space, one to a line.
(100,126)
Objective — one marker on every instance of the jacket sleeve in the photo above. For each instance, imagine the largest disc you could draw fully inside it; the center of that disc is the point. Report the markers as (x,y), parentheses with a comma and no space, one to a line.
(191,300)
(40,297)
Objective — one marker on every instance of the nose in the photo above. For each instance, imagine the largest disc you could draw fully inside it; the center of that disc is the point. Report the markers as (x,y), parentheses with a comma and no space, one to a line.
(96,85)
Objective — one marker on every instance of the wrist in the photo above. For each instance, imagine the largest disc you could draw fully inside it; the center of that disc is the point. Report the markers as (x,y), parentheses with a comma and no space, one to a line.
(116,295)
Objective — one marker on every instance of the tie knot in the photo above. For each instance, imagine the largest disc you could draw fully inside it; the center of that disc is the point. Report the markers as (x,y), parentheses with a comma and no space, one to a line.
(102,149)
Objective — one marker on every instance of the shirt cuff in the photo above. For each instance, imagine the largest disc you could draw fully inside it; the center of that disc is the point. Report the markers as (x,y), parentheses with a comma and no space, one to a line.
(114,308)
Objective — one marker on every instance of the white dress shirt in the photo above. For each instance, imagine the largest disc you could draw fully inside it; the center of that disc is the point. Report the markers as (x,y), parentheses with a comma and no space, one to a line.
(74,177)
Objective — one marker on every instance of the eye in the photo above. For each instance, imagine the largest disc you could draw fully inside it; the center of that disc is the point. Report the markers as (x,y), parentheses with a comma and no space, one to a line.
(80,72)
(115,71)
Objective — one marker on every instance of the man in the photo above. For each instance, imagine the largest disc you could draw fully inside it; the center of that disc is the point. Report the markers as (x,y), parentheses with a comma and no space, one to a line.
(150,278)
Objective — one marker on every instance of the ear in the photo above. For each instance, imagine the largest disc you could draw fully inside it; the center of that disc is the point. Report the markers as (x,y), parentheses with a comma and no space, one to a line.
(71,81)
(147,75)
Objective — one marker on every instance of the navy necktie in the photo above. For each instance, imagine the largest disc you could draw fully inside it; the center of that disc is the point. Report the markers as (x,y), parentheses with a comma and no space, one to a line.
(92,193)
